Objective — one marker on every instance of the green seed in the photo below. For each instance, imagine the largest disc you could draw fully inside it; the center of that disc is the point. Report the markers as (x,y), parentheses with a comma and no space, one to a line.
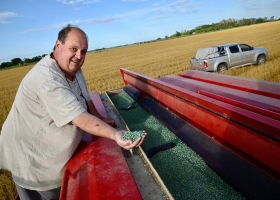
(132,135)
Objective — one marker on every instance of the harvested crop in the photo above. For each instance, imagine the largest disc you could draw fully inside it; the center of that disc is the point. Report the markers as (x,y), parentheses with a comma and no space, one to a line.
(182,170)
(132,135)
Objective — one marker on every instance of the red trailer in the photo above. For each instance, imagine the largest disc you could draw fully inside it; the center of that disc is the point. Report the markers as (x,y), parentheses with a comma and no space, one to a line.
(238,117)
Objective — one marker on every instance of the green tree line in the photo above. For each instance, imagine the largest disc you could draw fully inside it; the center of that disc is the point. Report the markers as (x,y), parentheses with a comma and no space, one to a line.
(224,24)
(20,62)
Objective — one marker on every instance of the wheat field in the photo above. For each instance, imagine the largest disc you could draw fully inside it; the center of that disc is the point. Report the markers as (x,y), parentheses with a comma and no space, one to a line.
(166,57)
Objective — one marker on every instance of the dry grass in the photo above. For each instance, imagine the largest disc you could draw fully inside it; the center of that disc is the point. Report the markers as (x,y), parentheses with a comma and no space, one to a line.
(155,60)
(7,186)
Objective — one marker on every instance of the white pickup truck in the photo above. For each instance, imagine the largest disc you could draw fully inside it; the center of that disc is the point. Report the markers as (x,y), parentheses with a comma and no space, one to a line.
(222,57)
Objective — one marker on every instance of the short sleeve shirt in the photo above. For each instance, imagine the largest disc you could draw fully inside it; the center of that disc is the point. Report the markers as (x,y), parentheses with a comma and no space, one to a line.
(37,138)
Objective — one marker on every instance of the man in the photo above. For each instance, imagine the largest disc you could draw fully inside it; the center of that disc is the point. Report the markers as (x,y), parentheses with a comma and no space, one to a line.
(50,113)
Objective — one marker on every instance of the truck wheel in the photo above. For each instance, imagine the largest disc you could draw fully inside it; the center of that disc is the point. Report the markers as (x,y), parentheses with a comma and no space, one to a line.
(261,60)
(222,68)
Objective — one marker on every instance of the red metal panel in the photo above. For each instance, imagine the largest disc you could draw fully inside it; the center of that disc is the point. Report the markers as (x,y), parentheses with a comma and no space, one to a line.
(257,100)
(259,122)
(254,102)
(98,104)
(265,88)
(202,111)
(246,106)
(98,170)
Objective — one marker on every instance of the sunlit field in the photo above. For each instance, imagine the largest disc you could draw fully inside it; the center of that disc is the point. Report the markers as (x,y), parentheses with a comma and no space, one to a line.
(166,57)
(172,56)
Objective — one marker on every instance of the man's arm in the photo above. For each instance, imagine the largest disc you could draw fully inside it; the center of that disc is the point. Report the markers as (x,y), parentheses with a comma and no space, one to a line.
(97,127)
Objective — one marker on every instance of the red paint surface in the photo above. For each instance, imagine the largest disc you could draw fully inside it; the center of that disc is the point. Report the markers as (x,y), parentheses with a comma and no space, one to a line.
(98,170)
(265,88)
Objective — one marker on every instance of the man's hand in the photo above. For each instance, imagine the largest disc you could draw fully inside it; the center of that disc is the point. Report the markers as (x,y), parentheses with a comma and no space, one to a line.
(127,144)
(95,126)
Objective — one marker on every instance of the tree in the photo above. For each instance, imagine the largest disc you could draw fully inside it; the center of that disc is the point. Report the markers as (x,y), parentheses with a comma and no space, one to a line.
(178,34)
(5,65)
(36,58)
(16,61)
(27,60)
(259,20)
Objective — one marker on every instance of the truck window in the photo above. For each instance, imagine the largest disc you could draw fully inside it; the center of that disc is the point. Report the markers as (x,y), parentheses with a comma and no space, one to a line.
(245,47)
(222,51)
(234,49)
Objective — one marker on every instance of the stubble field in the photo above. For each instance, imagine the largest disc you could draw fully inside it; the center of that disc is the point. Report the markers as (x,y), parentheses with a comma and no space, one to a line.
(155,59)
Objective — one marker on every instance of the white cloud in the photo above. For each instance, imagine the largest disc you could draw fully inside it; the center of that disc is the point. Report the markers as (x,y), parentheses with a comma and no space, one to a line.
(75,2)
(55,26)
(158,3)
(176,8)
(257,8)
(5,16)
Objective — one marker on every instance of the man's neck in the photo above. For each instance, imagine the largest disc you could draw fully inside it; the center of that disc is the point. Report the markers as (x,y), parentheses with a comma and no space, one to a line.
(71,78)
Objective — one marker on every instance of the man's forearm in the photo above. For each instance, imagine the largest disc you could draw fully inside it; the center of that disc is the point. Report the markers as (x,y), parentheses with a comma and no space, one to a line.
(94,126)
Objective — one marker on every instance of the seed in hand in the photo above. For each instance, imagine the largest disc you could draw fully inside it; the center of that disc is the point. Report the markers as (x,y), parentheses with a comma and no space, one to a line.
(132,135)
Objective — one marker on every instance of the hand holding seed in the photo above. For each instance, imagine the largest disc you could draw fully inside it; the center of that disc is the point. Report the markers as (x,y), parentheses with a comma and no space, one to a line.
(128,139)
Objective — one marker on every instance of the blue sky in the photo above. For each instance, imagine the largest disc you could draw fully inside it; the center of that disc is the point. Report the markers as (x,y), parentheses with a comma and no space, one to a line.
(29,27)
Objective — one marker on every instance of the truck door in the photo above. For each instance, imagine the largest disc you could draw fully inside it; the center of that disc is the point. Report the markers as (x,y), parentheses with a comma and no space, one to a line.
(235,55)
(248,53)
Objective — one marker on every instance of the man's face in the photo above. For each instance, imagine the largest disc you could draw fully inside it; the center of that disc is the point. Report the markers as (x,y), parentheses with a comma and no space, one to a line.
(71,55)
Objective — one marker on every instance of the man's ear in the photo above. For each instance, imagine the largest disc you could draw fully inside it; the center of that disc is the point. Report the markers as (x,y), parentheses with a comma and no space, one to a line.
(57,44)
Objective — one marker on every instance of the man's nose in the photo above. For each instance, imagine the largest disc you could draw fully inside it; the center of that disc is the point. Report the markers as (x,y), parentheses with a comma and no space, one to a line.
(78,54)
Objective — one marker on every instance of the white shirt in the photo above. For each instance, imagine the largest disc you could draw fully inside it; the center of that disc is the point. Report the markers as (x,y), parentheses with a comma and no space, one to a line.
(37,138)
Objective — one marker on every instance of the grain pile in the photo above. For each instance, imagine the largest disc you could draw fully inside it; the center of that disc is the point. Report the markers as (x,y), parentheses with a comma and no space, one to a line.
(184,173)
(132,135)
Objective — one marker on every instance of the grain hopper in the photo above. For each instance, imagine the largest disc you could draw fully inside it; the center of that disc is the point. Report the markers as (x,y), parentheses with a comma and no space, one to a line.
(209,136)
